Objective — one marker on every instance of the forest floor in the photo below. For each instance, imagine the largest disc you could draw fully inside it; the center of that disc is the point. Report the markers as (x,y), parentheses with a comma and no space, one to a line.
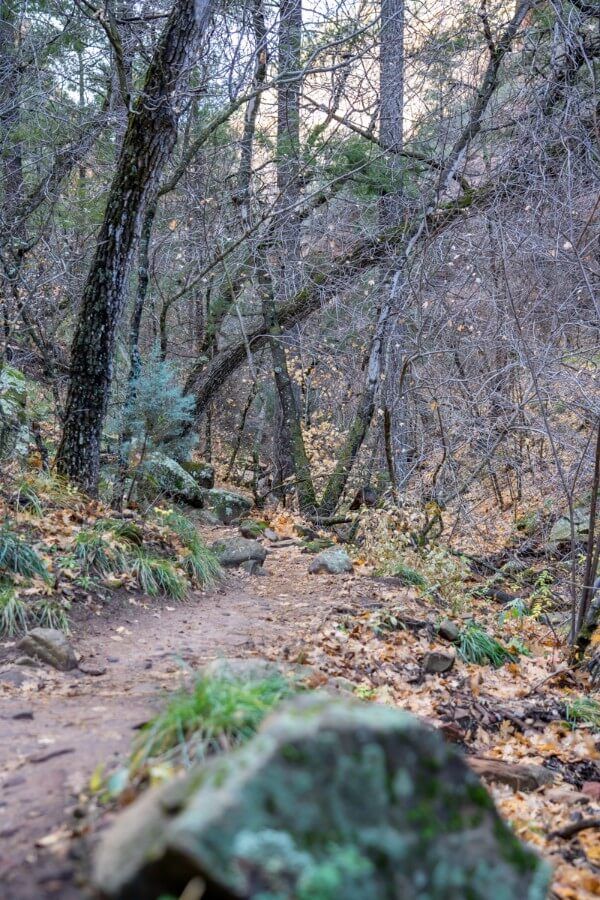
(60,729)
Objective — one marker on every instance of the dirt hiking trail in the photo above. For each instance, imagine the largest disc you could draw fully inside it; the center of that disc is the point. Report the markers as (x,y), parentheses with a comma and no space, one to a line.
(58,727)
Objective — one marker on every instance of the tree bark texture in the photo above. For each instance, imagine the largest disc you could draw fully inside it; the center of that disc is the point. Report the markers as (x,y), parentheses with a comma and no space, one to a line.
(149,140)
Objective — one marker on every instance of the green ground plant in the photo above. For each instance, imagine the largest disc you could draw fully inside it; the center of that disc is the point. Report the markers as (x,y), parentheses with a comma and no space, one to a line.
(198,560)
(157,575)
(218,713)
(582,711)
(13,612)
(17,557)
(96,553)
(476,646)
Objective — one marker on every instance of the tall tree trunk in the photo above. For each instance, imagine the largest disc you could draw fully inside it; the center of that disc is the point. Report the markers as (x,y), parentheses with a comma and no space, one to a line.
(285,230)
(11,163)
(391,105)
(391,207)
(149,140)
(260,73)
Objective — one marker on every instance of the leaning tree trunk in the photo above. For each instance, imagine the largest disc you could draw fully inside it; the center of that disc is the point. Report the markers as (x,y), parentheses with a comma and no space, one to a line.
(497,51)
(149,140)
(391,124)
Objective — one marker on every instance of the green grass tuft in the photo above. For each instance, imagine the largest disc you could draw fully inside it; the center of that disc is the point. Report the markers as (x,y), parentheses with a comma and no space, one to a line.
(17,557)
(409,576)
(29,499)
(200,563)
(124,530)
(97,554)
(217,714)
(13,612)
(50,612)
(582,711)
(156,575)
(475,645)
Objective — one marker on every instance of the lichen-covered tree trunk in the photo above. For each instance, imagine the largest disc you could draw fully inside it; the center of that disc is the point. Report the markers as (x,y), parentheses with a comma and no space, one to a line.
(149,140)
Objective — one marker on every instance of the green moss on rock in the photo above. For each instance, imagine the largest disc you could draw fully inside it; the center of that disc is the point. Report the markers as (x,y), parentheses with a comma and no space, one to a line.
(333,798)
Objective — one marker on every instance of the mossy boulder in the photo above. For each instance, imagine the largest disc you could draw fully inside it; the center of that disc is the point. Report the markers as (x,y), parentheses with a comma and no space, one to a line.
(203,473)
(332,799)
(160,474)
(14,431)
(227,505)
(253,528)
(315,545)
(235,551)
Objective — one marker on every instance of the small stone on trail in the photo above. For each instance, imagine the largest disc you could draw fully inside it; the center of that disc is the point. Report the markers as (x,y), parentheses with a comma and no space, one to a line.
(232,552)
(252,528)
(448,630)
(227,506)
(50,646)
(334,562)
(436,663)
(13,676)
(89,669)
(23,714)
(252,566)
(271,535)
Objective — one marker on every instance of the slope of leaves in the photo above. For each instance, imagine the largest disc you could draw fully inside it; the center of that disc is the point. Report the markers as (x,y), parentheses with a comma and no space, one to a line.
(58,548)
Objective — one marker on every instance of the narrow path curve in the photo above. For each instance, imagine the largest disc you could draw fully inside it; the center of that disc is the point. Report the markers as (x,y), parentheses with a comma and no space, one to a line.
(56,728)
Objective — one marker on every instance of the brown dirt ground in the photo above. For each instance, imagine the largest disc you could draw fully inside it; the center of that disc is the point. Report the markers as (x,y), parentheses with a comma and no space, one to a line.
(56,727)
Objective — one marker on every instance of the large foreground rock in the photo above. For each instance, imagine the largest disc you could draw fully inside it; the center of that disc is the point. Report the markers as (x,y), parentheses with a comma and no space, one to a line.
(50,646)
(333,800)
